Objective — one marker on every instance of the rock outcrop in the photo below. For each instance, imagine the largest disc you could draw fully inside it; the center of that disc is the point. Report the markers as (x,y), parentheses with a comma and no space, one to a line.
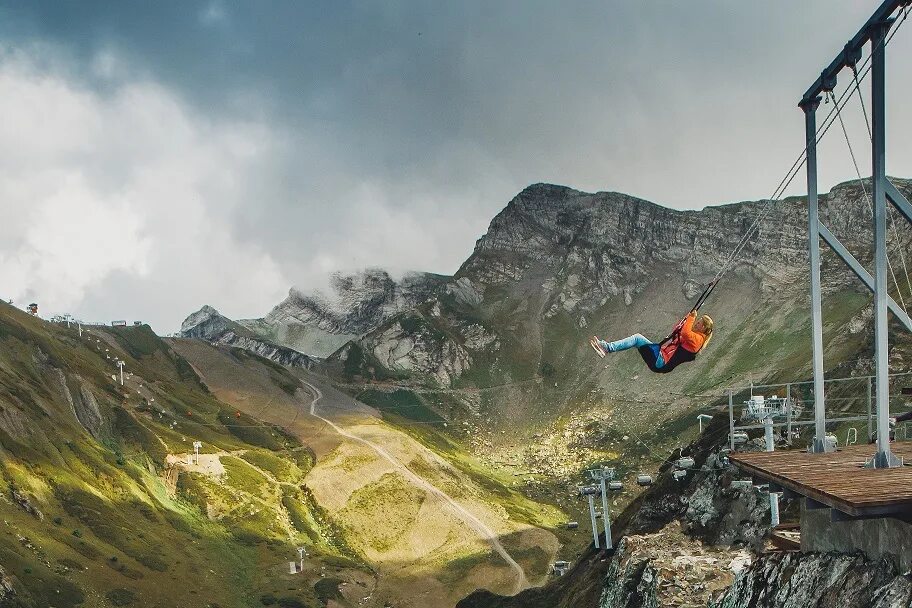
(831,580)
(207,324)
(430,345)
(25,504)
(7,591)
(705,502)
(668,569)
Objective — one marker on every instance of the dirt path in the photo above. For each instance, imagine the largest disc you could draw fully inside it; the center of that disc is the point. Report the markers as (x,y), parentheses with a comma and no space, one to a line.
(465,515)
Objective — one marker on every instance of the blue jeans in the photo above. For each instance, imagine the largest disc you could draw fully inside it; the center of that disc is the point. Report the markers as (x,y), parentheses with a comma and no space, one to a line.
(635,341)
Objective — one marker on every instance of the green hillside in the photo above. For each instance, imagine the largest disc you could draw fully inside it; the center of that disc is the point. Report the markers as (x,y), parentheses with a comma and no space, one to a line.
(99,509)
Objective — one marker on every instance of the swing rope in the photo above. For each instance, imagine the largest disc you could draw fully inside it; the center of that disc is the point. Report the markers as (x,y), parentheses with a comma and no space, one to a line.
(799,163)
(867,197)
(893,229)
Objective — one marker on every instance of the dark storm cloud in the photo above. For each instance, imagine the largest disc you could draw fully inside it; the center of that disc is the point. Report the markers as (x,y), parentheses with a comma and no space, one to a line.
(398,129)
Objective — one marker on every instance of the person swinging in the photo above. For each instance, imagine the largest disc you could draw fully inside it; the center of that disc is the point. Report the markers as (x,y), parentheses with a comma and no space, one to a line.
(689,337)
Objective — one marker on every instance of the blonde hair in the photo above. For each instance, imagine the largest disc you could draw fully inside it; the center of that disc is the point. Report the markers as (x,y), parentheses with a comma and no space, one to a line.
(707,322)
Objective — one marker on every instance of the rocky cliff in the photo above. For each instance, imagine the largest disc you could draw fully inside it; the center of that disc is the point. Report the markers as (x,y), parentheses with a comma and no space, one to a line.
(605,245)
(660,569)
(831,580)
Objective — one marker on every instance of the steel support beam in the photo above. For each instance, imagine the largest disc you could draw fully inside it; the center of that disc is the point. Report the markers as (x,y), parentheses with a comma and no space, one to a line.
(861,273)
(884,457)
(897,198)
(810,129)
(851,53)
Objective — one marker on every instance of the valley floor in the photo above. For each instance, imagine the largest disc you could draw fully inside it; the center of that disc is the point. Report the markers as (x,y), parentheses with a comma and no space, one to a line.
(431,532)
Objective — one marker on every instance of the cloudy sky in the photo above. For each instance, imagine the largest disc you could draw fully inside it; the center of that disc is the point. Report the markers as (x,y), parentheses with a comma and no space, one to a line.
(155,157)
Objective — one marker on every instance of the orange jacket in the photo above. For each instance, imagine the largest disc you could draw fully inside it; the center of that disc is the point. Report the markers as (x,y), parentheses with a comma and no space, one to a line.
(683,336)
(690,339)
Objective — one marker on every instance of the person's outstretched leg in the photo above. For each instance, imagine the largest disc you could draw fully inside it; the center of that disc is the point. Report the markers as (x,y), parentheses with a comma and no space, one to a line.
(634,341)
(601,347)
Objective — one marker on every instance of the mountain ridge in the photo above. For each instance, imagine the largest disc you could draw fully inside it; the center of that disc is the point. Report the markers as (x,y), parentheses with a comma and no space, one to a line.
(558,261)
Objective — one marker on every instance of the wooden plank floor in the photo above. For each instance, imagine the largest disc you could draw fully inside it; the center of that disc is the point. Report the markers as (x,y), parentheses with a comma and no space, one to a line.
(837,479)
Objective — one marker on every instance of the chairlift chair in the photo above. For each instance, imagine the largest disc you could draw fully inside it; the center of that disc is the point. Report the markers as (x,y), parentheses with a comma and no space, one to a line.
(685,463)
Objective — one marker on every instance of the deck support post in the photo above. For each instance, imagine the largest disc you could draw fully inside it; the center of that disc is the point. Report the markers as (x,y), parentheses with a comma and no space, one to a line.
(770,447)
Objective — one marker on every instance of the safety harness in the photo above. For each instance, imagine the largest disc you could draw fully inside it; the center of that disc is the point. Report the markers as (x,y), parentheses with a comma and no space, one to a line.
(670,349)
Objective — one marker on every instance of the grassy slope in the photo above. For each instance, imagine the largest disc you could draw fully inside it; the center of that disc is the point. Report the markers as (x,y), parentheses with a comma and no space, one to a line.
(428,555)
(111,526)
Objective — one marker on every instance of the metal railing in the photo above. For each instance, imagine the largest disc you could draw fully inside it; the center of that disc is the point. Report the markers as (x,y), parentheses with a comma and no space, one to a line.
(856,404)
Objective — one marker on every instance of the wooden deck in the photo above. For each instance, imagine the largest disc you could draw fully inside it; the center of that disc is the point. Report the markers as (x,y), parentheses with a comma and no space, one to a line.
(837,479)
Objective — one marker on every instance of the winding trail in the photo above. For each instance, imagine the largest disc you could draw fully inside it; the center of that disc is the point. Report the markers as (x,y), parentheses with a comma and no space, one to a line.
(464,514)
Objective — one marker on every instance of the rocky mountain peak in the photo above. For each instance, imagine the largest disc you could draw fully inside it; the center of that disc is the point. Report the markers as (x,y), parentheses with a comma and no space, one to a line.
(556,251)
(203,315)
(321,321)
(586,246)
(354,303)
(209,325)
